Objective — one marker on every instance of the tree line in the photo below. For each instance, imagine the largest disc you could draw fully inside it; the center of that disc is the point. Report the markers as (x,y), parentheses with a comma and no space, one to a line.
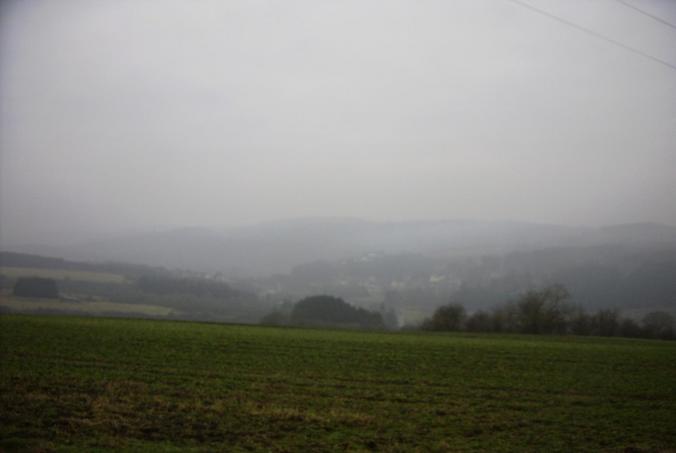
(548,311)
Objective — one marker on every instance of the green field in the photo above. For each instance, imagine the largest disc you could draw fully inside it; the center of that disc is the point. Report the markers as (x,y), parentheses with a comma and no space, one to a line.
(84,384)
(62,274)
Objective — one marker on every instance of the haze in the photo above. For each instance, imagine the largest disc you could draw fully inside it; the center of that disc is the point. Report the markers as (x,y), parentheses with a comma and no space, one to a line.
(132,115)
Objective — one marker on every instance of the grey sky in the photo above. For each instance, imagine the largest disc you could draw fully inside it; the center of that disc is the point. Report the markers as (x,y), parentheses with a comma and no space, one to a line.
(130,114)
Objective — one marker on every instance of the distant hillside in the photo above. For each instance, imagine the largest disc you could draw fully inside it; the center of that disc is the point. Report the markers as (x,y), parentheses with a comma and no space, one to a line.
(633,274)
(14,259)
(637,233)
(604,276)
(120,289)
(276,247)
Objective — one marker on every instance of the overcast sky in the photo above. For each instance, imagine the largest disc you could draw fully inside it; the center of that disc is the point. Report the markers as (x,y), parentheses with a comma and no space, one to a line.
(133,114)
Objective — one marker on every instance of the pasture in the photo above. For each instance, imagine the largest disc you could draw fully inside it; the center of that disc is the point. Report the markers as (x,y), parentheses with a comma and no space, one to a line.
(62,274)
(85,307)
(93,384)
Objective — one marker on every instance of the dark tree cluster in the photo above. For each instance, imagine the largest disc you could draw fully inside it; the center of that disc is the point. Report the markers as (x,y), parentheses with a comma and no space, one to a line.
(548,311)
(325,311)
(36,287)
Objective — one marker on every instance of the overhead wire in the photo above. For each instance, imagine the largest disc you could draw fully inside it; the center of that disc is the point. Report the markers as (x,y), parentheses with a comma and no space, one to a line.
(593,33)
(646,13)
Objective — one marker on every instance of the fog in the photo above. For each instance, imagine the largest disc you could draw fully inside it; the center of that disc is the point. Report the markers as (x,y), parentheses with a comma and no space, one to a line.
(129,115)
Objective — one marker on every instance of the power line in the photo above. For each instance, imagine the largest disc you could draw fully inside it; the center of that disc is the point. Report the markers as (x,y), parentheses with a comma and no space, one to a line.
(646,13)
(593,33)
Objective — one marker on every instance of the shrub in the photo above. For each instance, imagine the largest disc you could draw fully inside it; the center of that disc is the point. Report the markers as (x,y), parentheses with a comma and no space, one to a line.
(659,324)
(331,311)
(480,321)
(447,317)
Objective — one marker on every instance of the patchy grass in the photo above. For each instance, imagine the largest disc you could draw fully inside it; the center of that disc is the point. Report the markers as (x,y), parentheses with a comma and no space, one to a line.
(87,384)
(62,274)
(29,305)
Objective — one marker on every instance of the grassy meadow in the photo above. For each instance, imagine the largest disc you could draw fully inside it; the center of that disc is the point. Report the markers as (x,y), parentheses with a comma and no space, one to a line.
(94,384)
(90,307)
(62,274)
